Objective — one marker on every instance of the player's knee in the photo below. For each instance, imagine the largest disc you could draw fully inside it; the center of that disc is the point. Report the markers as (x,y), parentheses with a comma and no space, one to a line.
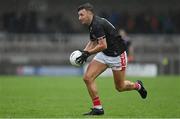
(87,78)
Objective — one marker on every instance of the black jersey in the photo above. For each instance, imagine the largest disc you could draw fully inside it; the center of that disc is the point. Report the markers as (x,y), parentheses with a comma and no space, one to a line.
(100,27)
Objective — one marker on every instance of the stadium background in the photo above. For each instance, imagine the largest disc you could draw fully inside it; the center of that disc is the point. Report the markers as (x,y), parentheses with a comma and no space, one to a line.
(37,37)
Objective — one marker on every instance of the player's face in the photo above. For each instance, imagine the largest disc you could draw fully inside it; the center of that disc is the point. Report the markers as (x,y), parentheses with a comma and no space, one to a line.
(84,16)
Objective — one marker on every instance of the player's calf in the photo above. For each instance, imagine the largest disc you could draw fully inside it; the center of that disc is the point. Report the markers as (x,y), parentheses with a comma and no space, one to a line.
(119,88)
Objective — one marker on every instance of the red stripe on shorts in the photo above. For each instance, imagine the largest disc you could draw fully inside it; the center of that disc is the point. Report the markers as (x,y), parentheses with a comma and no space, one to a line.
(123,61)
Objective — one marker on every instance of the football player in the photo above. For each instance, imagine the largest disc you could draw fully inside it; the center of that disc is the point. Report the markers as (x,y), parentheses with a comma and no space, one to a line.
(110,50)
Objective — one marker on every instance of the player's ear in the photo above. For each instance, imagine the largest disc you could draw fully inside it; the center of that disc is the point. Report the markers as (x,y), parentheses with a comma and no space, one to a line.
(89,12)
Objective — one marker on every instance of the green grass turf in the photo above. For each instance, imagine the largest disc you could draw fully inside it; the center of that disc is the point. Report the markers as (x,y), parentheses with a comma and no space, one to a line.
(62,97)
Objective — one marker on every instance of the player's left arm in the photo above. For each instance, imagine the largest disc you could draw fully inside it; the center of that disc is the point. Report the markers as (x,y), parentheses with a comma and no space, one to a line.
(90,45)
(100,38)
(101,45)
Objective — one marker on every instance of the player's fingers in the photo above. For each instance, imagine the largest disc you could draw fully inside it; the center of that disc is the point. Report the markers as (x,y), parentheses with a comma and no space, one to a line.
(82,61)
(78,58)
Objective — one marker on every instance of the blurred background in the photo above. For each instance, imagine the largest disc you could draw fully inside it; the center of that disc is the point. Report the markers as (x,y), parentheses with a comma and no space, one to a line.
(37,36)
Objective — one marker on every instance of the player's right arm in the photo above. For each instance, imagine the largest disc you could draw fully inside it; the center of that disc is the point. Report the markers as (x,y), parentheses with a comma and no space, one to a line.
(85,54)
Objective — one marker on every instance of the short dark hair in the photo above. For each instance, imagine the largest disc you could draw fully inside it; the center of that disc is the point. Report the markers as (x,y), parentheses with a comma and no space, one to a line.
(86,6)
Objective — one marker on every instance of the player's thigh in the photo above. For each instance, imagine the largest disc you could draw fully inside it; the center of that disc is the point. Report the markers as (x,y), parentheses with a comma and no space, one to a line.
(119,77)
(119,69)
(94,69)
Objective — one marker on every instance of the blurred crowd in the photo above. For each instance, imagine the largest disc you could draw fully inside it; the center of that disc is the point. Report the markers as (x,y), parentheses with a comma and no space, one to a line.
(145,22)
(30,22)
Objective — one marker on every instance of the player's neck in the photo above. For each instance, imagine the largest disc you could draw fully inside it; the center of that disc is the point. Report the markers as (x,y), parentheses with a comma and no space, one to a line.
(90,20)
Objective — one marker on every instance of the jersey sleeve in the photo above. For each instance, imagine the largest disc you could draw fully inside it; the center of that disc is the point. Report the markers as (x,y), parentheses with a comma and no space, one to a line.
(97,32)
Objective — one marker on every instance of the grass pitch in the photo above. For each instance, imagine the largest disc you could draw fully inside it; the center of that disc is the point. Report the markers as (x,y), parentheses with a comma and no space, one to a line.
(67,97)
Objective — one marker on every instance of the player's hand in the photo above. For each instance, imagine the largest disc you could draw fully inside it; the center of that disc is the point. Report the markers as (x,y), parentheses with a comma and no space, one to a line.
(83,57)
